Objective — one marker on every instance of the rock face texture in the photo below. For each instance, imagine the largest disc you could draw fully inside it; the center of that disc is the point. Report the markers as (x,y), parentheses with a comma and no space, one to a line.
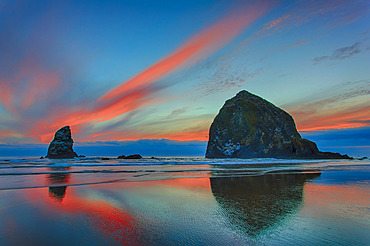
(248,126)
(62,145)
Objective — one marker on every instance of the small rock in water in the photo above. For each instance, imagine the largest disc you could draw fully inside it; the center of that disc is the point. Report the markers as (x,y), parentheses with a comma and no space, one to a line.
(136,156)
(105,159)
(62,145)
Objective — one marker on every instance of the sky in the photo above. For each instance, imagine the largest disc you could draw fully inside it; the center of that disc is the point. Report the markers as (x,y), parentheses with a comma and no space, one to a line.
(144,71)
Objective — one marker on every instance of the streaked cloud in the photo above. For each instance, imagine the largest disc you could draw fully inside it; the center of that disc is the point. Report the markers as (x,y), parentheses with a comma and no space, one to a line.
(340,54)
(224,79)
(298,13)
(199,46)
(344,106)
(177,112)
(274,23)
(295,15)
(31,83)
(299,42)
(182,127)
(138,91)
(45,85)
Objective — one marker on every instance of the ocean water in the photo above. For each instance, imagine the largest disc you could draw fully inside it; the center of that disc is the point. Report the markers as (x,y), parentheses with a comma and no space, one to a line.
(184,201)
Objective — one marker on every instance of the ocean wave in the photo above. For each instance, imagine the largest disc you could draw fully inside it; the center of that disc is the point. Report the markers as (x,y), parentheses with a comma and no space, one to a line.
(151,161)
(26,172)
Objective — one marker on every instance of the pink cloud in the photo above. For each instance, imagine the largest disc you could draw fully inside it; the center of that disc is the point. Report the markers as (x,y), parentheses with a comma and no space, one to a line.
(30,83)
(201,45)
(139,90)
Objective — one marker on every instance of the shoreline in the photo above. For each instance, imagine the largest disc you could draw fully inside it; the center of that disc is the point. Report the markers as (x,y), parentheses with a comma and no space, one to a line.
(178,204)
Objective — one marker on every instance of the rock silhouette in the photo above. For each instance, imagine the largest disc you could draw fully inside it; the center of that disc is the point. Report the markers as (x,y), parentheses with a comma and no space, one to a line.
(248,126)
(62,145)
(136,156)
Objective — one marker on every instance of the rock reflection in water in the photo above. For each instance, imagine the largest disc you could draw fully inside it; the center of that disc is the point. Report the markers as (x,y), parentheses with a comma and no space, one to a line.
(254,204)
(58,192)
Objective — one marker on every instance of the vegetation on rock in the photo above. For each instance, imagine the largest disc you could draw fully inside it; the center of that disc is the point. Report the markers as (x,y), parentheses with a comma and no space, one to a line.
(248,126)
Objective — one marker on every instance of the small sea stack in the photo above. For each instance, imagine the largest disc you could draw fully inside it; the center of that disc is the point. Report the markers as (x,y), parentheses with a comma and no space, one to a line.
(132,157)
(248,126)
(62,145)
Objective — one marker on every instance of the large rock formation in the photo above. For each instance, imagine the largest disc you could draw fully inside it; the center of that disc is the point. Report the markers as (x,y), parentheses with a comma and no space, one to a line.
(62,145)
(248,126)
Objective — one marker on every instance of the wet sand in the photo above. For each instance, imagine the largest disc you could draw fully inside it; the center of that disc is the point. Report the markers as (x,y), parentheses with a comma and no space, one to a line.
(209,204)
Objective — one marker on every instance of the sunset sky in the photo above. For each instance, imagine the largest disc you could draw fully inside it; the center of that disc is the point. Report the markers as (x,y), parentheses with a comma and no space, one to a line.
(160,69)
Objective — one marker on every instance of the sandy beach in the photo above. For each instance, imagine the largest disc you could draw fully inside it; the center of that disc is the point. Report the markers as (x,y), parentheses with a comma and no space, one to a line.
(187,201)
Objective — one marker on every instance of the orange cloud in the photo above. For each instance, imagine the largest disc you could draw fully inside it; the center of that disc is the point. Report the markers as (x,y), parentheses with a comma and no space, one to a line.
(136,92)
(44,129)
(352,119)
(8,133)
(274,23)
(202,44)
(30,84)
(342,106)
(187,135)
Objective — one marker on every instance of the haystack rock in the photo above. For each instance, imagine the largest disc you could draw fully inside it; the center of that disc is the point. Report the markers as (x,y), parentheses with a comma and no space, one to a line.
(62,145)
(248,126)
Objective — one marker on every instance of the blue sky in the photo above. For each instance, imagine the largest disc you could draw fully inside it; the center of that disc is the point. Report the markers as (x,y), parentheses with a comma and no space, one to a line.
(130,70)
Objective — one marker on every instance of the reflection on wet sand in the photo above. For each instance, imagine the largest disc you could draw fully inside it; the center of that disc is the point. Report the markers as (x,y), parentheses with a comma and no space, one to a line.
(58,192)
(115,223)
(254,204)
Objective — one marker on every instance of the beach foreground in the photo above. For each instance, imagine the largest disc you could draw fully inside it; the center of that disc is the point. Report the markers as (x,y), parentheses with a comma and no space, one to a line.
(188,201)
